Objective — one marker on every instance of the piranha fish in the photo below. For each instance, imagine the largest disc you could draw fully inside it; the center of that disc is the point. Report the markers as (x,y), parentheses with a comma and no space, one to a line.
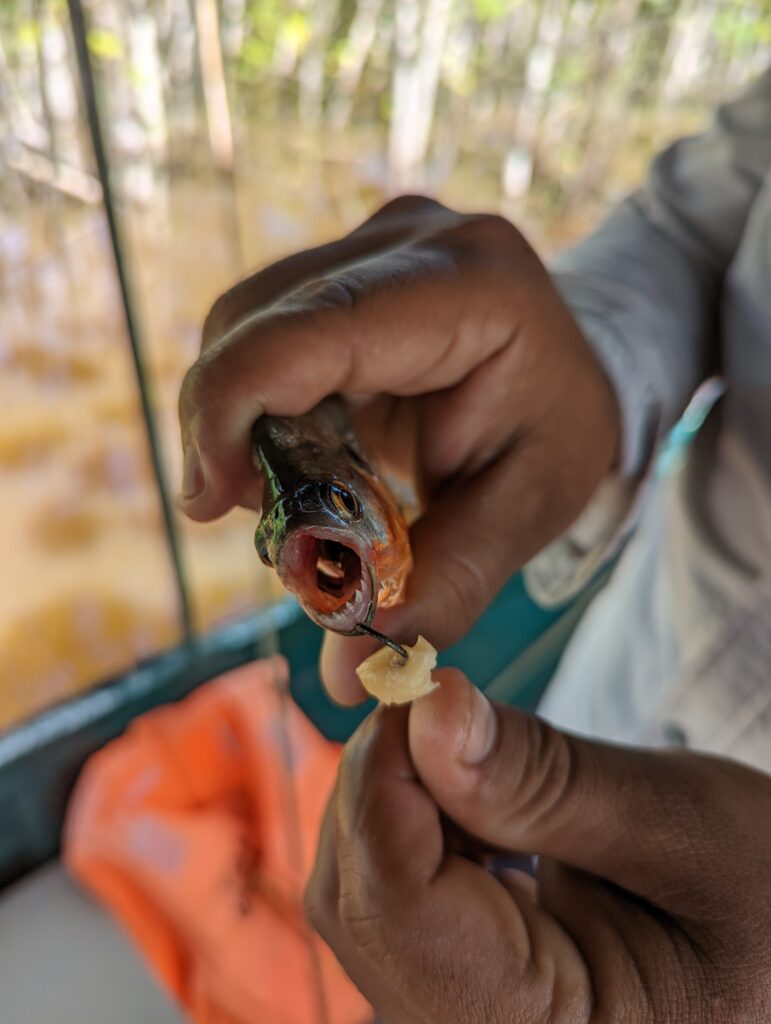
(330,527)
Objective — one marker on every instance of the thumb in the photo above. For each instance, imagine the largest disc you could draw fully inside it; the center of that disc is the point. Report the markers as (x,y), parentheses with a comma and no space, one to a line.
(636,818)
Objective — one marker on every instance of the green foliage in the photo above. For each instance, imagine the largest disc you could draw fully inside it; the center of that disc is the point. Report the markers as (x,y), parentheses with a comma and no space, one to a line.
(272,25)
(295,31)
(572,70)
(265,16)
(739,32)
(607,57)
(104,44)
(493,10)
(28,34)
(19,37)
(262,21)
(256,53)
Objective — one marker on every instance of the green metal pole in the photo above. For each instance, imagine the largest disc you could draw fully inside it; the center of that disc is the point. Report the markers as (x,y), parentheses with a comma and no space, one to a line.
(79,32)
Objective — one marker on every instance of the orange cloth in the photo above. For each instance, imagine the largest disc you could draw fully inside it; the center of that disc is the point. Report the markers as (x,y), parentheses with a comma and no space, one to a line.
(193,832)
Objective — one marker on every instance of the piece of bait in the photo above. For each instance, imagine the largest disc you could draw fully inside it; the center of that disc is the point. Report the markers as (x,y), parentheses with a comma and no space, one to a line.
(391,679)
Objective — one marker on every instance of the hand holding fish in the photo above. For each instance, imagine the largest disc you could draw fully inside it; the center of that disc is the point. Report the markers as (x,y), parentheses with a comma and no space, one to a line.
(652,901)
(460,362)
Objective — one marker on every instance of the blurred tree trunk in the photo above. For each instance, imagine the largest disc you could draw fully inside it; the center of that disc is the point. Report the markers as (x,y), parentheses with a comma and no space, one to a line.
(310,71)
(182,79)
(220,128)
(419,40)
(519,31)
(569,81)
(520,45)
(549,30)
(660,44)
(148,101)
(607,97)
(695,29)
(41,18)
(353,58)
(11,185)
(233,28)
(53,203)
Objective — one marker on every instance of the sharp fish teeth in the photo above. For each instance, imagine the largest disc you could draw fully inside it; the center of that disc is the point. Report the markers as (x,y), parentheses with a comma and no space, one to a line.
(352,610)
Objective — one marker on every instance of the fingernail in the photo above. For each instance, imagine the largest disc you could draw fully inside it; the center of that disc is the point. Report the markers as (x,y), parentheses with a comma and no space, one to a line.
(482,730)
(193,480)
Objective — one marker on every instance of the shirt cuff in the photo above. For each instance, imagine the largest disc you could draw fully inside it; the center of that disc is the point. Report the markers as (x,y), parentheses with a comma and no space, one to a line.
(594,308)
(562,570)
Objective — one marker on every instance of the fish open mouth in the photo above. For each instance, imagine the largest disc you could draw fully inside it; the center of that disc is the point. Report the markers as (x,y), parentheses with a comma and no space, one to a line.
(329,576)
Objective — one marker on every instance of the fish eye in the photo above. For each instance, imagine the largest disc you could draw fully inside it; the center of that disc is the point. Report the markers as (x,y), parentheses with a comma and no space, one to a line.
(343,502)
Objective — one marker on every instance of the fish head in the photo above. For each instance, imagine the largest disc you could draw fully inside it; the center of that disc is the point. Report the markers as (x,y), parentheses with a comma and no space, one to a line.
(333,542)
(330,527)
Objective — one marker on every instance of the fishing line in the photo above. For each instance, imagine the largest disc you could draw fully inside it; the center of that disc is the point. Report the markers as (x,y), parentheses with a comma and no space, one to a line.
(397,648)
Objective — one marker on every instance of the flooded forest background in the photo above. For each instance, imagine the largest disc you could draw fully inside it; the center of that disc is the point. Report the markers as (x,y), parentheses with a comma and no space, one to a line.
(238,130)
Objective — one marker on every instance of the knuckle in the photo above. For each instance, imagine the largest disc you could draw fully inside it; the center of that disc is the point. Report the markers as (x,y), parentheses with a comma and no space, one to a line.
(194,395)
(463,592)
(411,205)
(219,316)
(364,923)
(361,896)
(202,408)
(313,908)
(212,324)
(319,906)
(362,905)
(490,227)
(494,236)
(190,393)
(342,292)
(546,775)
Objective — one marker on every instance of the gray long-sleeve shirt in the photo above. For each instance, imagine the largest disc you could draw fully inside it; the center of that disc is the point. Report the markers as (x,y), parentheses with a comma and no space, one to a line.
(674,287)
